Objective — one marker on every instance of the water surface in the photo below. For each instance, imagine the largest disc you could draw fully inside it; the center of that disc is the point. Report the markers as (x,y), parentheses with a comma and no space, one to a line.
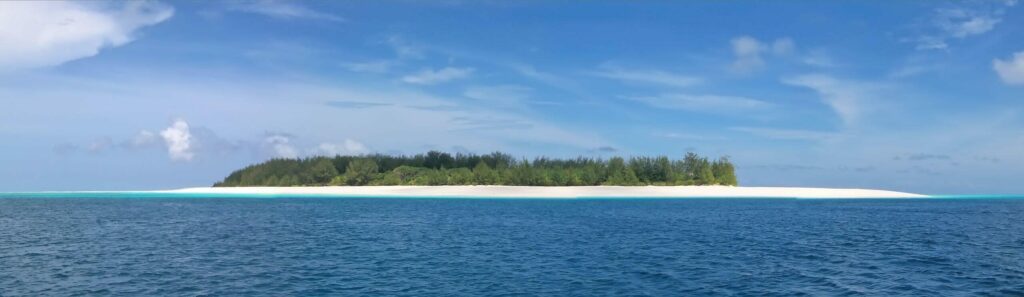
(437,247)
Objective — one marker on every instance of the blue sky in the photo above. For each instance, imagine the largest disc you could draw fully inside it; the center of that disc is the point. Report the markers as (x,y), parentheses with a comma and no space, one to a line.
(921,96)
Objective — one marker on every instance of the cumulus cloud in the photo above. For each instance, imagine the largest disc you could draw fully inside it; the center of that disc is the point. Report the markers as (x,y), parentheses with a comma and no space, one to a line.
(348,147)
(430,76)
(178,139)
(37,34)
(1011,71)
(748,54)
(748,51)
(702,103)
(280,145)
(283,10)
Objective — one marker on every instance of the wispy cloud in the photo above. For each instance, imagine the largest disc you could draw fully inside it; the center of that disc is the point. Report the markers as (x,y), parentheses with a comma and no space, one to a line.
(924,157)
(788,134)
(647,76)
(283,10)
(686,136)
(382,66)
(844,97)
(463,123)
(702,103)
(403,48)
(910,70)
(959,23)
(430,76)
(818,58)
(1010,71)
(48,33)
(784,167)
(514,96)
(550,79)
(355,104)
(143,139)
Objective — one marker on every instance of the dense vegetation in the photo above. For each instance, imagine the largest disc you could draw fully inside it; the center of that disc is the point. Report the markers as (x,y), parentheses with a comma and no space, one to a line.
(438,168)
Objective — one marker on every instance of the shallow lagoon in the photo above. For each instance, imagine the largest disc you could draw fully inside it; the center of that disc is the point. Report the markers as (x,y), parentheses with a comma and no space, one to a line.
(67,245)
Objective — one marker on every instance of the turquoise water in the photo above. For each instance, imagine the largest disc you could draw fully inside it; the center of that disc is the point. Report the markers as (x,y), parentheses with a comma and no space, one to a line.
(169,195)
(131,244)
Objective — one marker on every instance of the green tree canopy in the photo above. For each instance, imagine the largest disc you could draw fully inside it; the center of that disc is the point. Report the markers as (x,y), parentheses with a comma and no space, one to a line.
(360,171)
(484,174)
(438,168)
(323,171)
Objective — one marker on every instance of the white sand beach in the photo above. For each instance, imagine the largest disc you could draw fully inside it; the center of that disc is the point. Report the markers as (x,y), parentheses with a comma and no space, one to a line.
(559,192)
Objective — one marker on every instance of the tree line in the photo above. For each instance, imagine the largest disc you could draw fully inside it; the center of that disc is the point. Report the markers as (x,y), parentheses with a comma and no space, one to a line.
(439,168)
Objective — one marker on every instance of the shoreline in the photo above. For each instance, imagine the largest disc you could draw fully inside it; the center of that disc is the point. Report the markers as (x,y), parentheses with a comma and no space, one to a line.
(550,192)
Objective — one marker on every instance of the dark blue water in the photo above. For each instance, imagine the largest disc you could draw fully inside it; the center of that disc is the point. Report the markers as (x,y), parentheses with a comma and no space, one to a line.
(439,247)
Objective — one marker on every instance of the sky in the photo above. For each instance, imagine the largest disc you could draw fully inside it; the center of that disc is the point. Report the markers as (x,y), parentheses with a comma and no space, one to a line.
(919,96)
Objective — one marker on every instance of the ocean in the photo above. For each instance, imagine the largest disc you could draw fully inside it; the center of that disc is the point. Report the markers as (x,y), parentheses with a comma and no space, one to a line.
(64,245)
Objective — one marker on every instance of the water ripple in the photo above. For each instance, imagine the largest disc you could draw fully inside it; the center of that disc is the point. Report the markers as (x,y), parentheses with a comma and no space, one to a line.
(253,247)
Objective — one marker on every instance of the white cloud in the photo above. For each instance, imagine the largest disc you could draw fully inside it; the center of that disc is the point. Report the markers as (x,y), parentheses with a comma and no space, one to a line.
(910,70)
(783,46)
(748,54)
(488,123)
(787,134)
(403,48)
(844,97)
(280,146)
(414,119)
(959,23)
(178,139)
(283,10)
(430,77)
(549,79)
(818,58)
(37,34)
(648,76)
(1011,71)
(348,147)
(100,145)
(974,26)
(748,51)
(505,95)
(703,103)
(370,67)
(686,136)
(145,138)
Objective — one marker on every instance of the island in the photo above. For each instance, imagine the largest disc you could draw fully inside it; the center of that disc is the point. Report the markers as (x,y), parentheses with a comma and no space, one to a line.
(436,168)
(500,175)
